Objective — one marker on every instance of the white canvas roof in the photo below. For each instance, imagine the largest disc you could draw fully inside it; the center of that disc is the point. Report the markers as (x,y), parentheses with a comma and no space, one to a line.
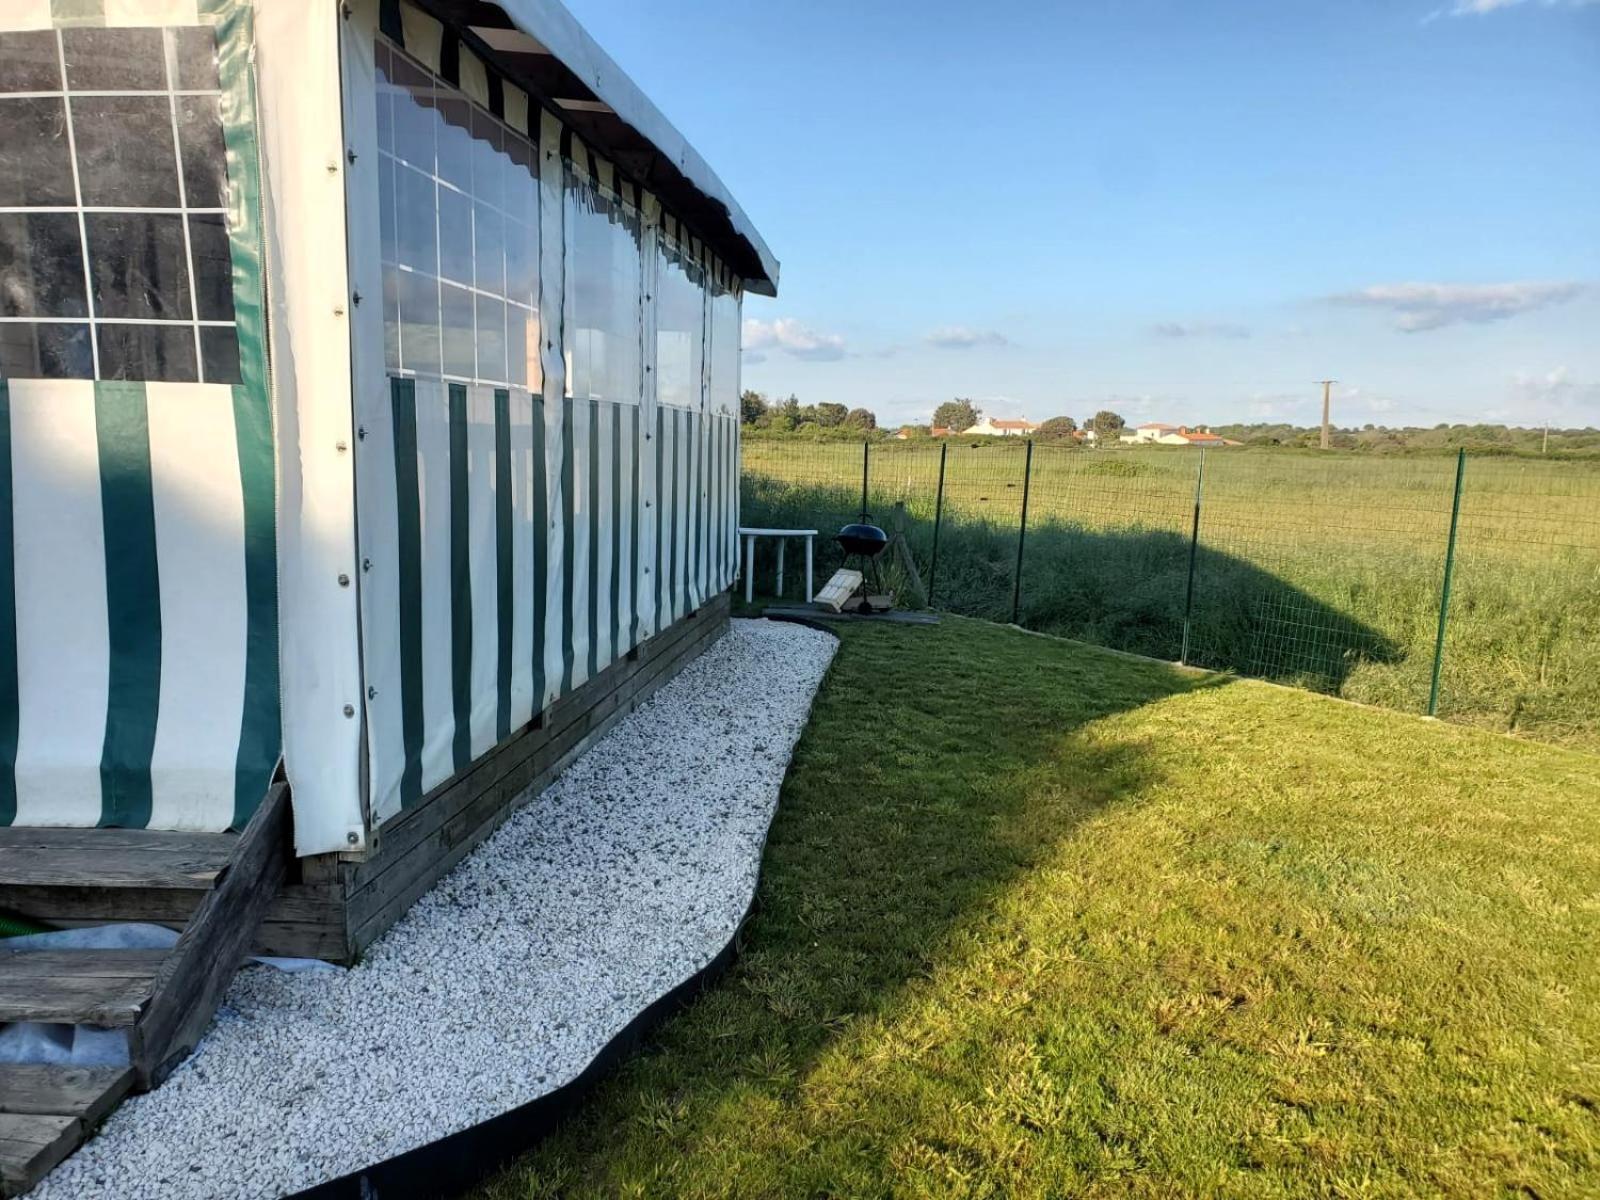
(540,44)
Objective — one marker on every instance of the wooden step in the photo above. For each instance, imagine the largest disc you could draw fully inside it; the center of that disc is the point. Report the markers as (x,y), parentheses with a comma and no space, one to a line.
(108,988)
(109,874)
(46,1111)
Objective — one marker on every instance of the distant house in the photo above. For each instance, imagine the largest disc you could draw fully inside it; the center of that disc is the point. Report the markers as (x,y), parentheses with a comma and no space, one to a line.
(1150,431)
(941,431)
(991,427)
(1158,434)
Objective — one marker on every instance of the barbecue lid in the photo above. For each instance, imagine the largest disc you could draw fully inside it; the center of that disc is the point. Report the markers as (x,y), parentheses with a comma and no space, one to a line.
(861,538)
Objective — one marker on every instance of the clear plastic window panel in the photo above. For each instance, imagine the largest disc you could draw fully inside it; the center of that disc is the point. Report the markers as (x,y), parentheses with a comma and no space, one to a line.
(723,396)
(680,327)
(115,261)
(458,194)
(605,323)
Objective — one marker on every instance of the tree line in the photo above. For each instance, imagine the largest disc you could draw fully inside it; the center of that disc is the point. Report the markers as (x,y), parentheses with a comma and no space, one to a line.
(829,420)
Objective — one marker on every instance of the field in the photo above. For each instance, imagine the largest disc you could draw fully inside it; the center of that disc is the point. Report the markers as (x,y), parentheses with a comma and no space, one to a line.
(1041,920)
(1324,571)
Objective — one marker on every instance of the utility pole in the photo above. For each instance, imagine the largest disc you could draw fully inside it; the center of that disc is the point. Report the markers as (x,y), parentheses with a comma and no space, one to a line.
(1545,449)
(1326,384)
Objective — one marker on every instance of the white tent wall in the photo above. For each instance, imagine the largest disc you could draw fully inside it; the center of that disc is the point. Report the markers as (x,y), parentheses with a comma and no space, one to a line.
(138,631)
(303,156)
(529,508)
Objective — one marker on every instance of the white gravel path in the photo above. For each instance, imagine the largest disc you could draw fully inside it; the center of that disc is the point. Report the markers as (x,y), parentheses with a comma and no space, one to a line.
(624,878)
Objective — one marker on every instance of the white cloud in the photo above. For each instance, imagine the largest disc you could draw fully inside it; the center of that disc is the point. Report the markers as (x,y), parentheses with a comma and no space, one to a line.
(1422,306)
(1199,329)
(961,337)
(793,338)
(1478,8)
(1553,396)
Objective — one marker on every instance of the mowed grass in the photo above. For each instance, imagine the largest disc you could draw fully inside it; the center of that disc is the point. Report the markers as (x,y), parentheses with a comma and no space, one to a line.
(1041,920)
(1321,571)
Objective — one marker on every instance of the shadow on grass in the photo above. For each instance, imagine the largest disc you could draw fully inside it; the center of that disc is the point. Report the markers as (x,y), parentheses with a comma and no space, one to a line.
(1125,588)
(941,765)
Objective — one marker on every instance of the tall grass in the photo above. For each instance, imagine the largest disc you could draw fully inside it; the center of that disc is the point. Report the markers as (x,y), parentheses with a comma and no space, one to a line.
(1322,571)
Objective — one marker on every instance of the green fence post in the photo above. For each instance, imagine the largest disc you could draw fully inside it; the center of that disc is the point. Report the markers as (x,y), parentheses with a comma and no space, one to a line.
(1022,537)
(1194,549)
(1449,573)
(864,447)
(938,519)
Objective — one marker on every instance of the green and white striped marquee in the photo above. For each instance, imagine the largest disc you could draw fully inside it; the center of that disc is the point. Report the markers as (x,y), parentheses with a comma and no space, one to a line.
(497,448)
(138,609)
(520,534)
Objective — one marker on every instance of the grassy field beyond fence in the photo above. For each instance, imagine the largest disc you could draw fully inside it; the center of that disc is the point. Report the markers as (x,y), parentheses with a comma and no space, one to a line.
(1324,571)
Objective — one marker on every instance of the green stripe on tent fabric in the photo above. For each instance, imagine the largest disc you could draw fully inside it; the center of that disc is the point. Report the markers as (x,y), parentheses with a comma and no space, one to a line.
(460,581)
(594,537)
(674,508)
(661,526)
(502,557)
(697,422)
(9,700)
(638,525)
(690,581)
(541,554)
(133,603)
(617,518)
(389,22)
(261,725)
(77,12)
(450,56)
(716,506)
(569,489)
(408,522)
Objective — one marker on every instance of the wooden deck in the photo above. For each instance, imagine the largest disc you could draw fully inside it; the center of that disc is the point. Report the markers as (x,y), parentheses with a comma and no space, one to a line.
(232,895)
(161,999)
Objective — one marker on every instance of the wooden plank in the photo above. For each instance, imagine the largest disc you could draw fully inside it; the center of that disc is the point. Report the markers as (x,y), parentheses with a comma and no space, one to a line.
(32,1143)
(195,975)
(204,846)
(375,907)
(786,612)
(108,988)
(87,1093)
(294,904)
(107,866)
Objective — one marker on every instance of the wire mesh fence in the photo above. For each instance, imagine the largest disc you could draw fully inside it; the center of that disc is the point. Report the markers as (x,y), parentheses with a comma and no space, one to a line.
(1322,572)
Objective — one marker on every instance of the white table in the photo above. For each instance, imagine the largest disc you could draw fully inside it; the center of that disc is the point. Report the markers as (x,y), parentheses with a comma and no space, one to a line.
(750,535)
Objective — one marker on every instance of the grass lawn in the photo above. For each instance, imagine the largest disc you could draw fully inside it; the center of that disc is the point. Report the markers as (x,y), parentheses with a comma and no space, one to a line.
(1041,920)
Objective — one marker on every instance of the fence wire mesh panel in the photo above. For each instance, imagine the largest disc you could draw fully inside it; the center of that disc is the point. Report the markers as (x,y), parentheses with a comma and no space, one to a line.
(799,485)
(1522,643)
(1321,571)
(902,495)
(1108,547)
(978,533)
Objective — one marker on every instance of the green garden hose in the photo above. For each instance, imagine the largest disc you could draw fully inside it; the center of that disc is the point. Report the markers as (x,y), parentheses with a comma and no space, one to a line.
(12,925)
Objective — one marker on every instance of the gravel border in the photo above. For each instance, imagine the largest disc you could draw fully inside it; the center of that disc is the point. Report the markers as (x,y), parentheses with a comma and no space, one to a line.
(627,876)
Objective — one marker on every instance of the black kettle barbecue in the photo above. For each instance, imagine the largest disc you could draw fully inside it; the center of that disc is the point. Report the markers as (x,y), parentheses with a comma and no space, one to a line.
(863,542)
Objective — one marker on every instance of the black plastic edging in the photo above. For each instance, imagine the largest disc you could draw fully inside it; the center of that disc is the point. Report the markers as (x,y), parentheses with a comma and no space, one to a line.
(458,1160)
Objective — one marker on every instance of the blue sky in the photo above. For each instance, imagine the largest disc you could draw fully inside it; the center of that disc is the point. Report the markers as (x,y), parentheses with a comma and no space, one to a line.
(1182,211)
